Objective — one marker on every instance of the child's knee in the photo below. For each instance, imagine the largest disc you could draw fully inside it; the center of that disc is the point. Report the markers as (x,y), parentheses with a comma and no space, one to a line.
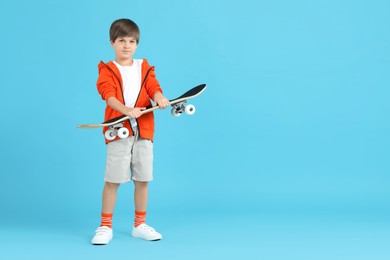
(112,186)
(141,184)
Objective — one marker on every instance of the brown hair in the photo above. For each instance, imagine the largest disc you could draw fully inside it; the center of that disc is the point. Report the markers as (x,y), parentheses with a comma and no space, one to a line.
(124,28)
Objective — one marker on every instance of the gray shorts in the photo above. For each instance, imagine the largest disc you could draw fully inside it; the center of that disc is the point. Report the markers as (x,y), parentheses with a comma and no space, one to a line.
(129,158)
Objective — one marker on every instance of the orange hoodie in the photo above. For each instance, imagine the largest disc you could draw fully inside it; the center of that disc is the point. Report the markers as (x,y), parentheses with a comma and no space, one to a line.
(109,84)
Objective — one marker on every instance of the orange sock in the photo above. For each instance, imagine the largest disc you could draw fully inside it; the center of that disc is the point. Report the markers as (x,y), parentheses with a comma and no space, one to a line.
(140,218)
(106,220)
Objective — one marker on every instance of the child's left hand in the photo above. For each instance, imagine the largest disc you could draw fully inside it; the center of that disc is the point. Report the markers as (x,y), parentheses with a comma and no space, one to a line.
(161,101)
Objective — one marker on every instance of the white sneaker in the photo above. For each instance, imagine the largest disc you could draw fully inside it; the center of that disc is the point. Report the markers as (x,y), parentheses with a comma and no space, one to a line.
(145,232)
(103,236)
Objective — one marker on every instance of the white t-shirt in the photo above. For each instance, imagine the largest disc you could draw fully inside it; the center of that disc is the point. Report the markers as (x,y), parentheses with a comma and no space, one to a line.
(131,79)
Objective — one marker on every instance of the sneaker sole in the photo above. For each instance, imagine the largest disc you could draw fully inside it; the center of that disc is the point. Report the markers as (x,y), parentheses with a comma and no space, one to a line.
(98,243)
(156,239)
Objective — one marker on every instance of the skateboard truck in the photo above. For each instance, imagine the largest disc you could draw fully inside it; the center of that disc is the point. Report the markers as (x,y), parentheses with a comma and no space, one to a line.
(179,108)
(116,130)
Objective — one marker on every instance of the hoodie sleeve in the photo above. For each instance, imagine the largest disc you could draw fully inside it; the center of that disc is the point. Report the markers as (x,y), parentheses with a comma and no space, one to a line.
(152,85)
(105,83)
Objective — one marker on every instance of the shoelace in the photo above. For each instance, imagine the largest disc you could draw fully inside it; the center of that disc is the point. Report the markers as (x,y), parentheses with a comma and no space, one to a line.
(102,230)
(148,228)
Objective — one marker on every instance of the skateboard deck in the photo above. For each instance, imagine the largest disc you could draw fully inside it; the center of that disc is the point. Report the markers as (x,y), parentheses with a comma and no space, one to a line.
(178,107)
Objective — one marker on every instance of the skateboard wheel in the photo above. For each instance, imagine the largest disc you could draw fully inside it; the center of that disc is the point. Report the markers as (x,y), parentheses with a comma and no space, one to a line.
(175,113)
(123,132)
(110,134)
(190,109)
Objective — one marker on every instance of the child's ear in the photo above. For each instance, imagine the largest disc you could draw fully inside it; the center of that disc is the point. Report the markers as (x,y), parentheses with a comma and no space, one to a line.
(111,42)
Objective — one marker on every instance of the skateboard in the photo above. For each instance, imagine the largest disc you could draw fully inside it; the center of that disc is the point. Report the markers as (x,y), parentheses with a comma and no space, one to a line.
(179,107)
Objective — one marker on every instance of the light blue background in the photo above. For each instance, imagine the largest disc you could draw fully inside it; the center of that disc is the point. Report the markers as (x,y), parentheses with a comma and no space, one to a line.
(287,156)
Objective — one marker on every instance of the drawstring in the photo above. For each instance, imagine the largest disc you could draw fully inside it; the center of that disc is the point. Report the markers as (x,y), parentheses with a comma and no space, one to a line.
(135,130)
(136,134)
(134,126)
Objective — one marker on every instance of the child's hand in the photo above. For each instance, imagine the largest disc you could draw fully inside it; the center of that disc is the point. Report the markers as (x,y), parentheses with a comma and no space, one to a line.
(161,101)
(134,112)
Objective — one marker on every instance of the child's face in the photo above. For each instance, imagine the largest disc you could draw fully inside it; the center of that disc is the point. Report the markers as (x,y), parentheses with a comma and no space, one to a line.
(124,47)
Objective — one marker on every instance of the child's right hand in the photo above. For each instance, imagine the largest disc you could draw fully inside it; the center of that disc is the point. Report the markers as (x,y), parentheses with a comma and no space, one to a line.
(134,112)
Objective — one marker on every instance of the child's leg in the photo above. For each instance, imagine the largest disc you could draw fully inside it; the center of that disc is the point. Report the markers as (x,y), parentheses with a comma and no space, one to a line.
(109,197)
(108,203)
(140,195)
(140,201)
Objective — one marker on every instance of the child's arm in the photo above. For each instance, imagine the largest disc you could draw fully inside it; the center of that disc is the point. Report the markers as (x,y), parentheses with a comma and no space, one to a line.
(115,104)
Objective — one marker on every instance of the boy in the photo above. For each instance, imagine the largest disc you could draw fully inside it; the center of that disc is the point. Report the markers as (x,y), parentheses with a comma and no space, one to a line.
(127,85)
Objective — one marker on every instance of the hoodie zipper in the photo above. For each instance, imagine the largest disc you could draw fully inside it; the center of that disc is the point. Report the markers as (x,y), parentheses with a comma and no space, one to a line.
(142,84)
